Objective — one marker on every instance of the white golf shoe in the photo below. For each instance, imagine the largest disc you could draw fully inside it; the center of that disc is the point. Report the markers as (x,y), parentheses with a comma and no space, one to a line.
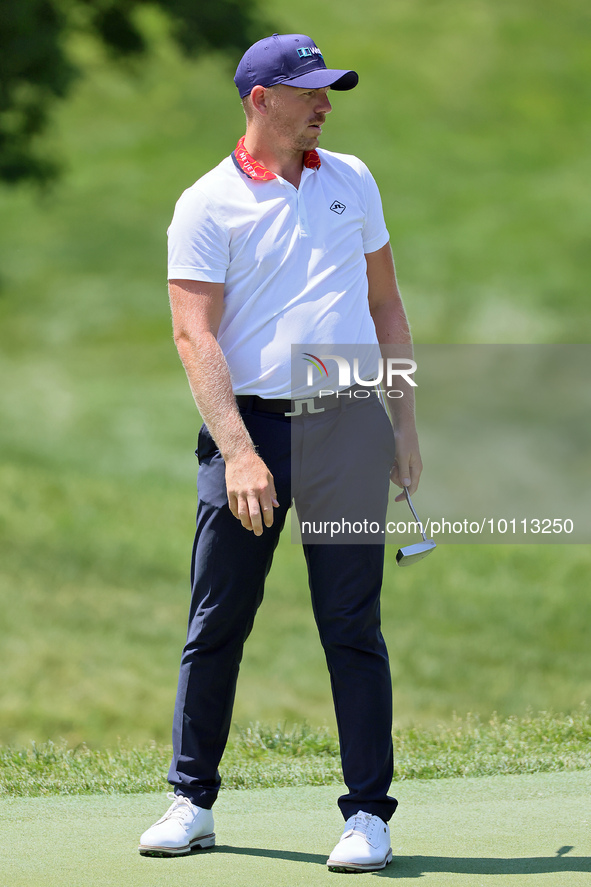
(364,845)
(184,827)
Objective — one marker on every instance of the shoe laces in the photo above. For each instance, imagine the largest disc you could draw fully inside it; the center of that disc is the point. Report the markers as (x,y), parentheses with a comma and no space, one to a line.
(361,824)
(179,808)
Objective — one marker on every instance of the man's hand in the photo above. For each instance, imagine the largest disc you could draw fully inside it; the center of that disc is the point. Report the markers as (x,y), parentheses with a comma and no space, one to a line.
(408,464)
(251,491)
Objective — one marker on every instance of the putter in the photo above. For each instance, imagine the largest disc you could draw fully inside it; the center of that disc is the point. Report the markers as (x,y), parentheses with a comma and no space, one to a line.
(410,554)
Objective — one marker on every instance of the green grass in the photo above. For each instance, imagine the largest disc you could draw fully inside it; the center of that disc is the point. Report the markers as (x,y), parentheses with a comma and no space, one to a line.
(90,653)
(262,757)
(461,832)
(472,117)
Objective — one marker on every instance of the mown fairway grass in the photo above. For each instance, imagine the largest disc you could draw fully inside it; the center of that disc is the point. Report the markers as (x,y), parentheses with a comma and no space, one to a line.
(472,117)
(514,830)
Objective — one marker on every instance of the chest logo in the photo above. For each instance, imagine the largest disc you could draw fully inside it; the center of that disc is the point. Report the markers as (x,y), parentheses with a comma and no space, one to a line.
(338,207)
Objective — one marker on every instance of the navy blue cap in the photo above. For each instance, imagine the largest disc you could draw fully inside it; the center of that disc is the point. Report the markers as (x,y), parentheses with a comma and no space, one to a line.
(293,59)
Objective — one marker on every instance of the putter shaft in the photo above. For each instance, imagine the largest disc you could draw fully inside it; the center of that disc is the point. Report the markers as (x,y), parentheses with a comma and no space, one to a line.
(415,515)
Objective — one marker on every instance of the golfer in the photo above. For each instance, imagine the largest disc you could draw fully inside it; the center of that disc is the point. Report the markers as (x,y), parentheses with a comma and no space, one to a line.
(284,244)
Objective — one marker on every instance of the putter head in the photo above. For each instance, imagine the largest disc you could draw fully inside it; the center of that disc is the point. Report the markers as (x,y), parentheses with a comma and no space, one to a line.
(410,554)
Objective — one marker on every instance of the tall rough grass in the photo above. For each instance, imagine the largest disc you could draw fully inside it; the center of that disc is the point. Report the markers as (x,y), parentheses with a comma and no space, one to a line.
(260,756)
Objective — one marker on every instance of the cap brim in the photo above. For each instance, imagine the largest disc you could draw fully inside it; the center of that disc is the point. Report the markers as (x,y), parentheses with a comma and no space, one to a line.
(323,77)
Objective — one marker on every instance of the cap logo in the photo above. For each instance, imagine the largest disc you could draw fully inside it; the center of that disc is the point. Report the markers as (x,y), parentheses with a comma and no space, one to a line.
(307,51)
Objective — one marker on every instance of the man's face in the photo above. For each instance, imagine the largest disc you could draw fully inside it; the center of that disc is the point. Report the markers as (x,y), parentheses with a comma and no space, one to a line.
(296,116)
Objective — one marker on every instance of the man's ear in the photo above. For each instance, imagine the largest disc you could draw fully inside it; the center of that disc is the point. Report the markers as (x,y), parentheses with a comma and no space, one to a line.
(258,97)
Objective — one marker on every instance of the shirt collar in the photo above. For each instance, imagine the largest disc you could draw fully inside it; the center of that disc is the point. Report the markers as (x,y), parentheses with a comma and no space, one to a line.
(255,170)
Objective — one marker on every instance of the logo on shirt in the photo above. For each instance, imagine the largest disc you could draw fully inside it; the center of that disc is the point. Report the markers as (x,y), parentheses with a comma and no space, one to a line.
(338,207)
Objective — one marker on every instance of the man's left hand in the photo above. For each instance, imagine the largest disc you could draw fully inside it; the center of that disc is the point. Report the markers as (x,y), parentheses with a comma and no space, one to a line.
(408,465)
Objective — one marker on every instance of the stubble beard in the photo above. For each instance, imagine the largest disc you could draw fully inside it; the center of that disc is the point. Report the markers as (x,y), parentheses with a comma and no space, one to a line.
(294,141)
(297,142)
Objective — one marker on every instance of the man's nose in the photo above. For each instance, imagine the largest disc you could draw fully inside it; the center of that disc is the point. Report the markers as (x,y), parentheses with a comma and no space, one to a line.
(324,106)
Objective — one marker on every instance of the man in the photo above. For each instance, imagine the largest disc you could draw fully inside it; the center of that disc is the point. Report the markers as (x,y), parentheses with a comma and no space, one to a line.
(283,244)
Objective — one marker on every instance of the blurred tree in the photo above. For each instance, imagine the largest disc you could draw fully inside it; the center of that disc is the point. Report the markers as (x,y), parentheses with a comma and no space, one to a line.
(35,68)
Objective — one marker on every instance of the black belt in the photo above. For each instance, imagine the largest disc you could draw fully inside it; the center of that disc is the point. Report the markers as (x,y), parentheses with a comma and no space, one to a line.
(301,406)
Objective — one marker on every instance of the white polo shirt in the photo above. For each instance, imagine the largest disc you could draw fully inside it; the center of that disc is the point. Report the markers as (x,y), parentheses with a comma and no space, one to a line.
(292,261)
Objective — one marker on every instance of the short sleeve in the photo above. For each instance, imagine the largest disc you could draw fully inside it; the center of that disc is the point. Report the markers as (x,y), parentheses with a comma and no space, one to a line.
(375,233)
(198,245)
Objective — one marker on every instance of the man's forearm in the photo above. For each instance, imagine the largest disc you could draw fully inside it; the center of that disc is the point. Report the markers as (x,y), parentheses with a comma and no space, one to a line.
(395,340)
(197,309)
(211,385)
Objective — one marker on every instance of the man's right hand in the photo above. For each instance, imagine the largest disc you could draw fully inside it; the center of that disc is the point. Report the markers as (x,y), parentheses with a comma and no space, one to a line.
(251,491)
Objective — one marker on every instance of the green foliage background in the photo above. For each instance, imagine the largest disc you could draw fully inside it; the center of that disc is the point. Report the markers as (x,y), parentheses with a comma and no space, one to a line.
(473,116)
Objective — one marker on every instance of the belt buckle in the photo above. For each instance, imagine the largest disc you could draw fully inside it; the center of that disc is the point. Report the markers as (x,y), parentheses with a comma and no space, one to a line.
(310,407)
